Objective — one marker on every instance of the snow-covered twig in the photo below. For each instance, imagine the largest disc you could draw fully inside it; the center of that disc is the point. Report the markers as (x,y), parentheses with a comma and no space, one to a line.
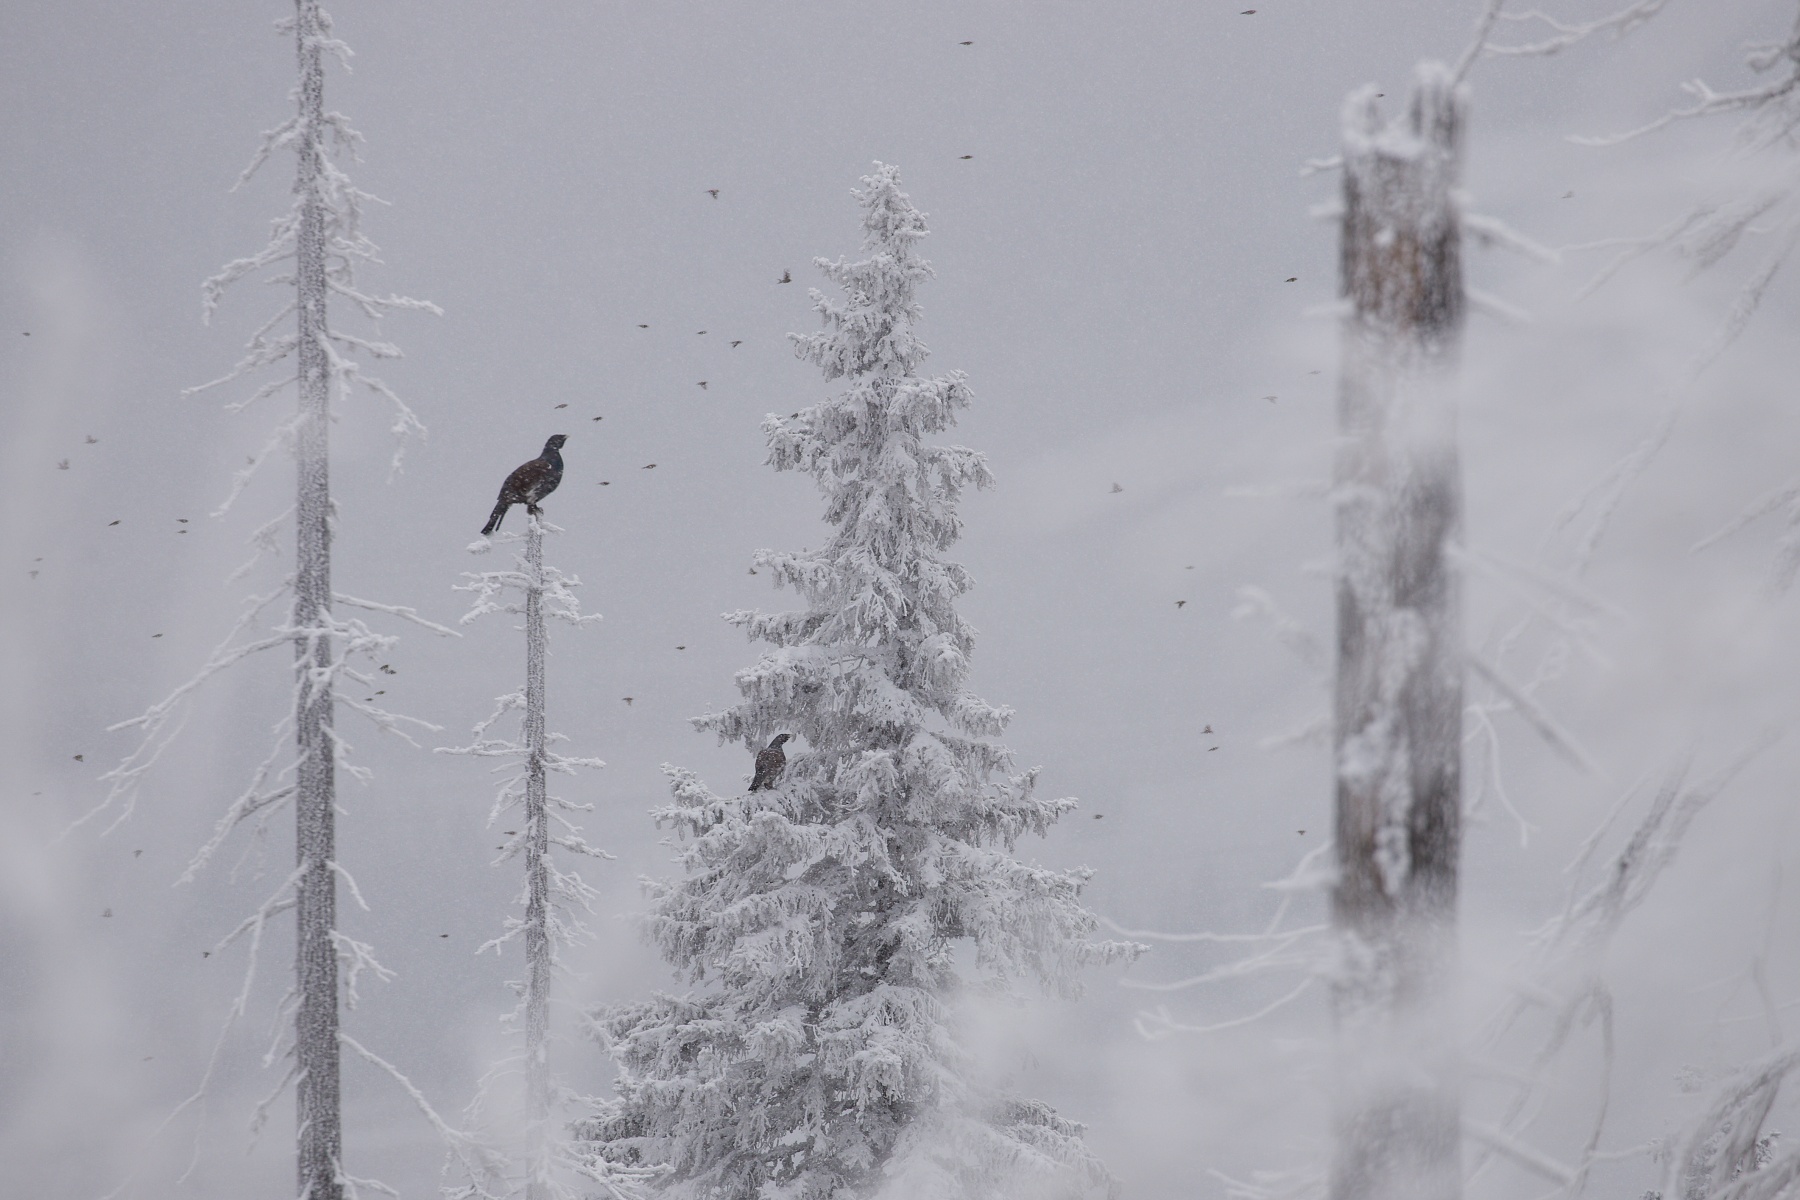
(1566,34)
(1255,602)
(1563,978)
(397,610)
(1206,937)
(1520,1152)
(1492,231)
(1484,26)
(1159,1024)
(155,721)
(479,1158)
(1536,716)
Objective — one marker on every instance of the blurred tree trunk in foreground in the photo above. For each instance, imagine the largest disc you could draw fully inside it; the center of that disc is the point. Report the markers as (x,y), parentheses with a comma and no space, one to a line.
(1398,703)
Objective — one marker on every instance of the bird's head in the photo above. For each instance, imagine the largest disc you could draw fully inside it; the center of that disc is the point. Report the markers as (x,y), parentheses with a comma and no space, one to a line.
(780,738)
(556,442)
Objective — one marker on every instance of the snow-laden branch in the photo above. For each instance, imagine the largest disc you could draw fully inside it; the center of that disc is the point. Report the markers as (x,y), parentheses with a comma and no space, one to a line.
(1786,500)
(162,721)
(1489,736)
(353,958)
(1484,27)
(280,900)
(1305,948)
(1489,231)
(1271,959)
(1159,1024)
(1707,103)
(1490,305)
(1254,602)
(1205,937)
(1537,716)
(476,1157)
(492,589)
(258,799)
(1563,974)
(263,543)
(283,436)
(1520,1152)
(346,245)
(1723,1141)
(397,610)
(1564,34)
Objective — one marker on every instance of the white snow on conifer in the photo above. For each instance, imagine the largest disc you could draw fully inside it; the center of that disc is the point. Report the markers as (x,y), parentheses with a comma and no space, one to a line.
(832,923)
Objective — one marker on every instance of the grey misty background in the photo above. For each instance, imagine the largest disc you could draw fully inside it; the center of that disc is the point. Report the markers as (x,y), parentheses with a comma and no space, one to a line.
(1111,265)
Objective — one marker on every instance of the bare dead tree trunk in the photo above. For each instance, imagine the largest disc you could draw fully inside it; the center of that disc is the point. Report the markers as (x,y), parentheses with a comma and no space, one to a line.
(1398,735)
(537,882)
(316,1021)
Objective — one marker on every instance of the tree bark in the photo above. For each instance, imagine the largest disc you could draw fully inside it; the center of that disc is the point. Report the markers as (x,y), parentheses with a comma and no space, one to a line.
(537,883)
(316,1021)
(1398,703)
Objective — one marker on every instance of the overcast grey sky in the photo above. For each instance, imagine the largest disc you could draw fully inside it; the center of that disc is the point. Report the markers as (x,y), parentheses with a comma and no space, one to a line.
(1113,259)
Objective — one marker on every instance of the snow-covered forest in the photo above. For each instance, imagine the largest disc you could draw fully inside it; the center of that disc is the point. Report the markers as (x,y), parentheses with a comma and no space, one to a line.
(1269,530)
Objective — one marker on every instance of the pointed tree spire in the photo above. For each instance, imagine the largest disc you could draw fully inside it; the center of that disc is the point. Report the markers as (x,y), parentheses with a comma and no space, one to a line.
(824,919)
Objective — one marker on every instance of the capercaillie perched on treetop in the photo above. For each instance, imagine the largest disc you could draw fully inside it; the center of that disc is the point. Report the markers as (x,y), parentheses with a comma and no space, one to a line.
(530,482)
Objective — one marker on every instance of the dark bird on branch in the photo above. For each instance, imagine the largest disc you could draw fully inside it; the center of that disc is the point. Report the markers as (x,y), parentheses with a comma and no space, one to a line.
(530,482)
(769,764)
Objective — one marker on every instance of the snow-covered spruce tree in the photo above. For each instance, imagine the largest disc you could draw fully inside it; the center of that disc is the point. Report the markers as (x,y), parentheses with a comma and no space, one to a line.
(832,922)
(1397,492)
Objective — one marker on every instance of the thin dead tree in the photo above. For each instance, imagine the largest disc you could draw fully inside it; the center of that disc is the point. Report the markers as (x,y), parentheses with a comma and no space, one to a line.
(554,900)
(315,247)
(1399,677)
(320,1129)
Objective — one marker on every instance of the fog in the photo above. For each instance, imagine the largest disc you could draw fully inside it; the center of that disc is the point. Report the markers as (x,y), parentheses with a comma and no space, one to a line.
(1129,273)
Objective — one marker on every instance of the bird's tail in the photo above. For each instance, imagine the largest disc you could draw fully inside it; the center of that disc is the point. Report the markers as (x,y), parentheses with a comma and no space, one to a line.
(494,518)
